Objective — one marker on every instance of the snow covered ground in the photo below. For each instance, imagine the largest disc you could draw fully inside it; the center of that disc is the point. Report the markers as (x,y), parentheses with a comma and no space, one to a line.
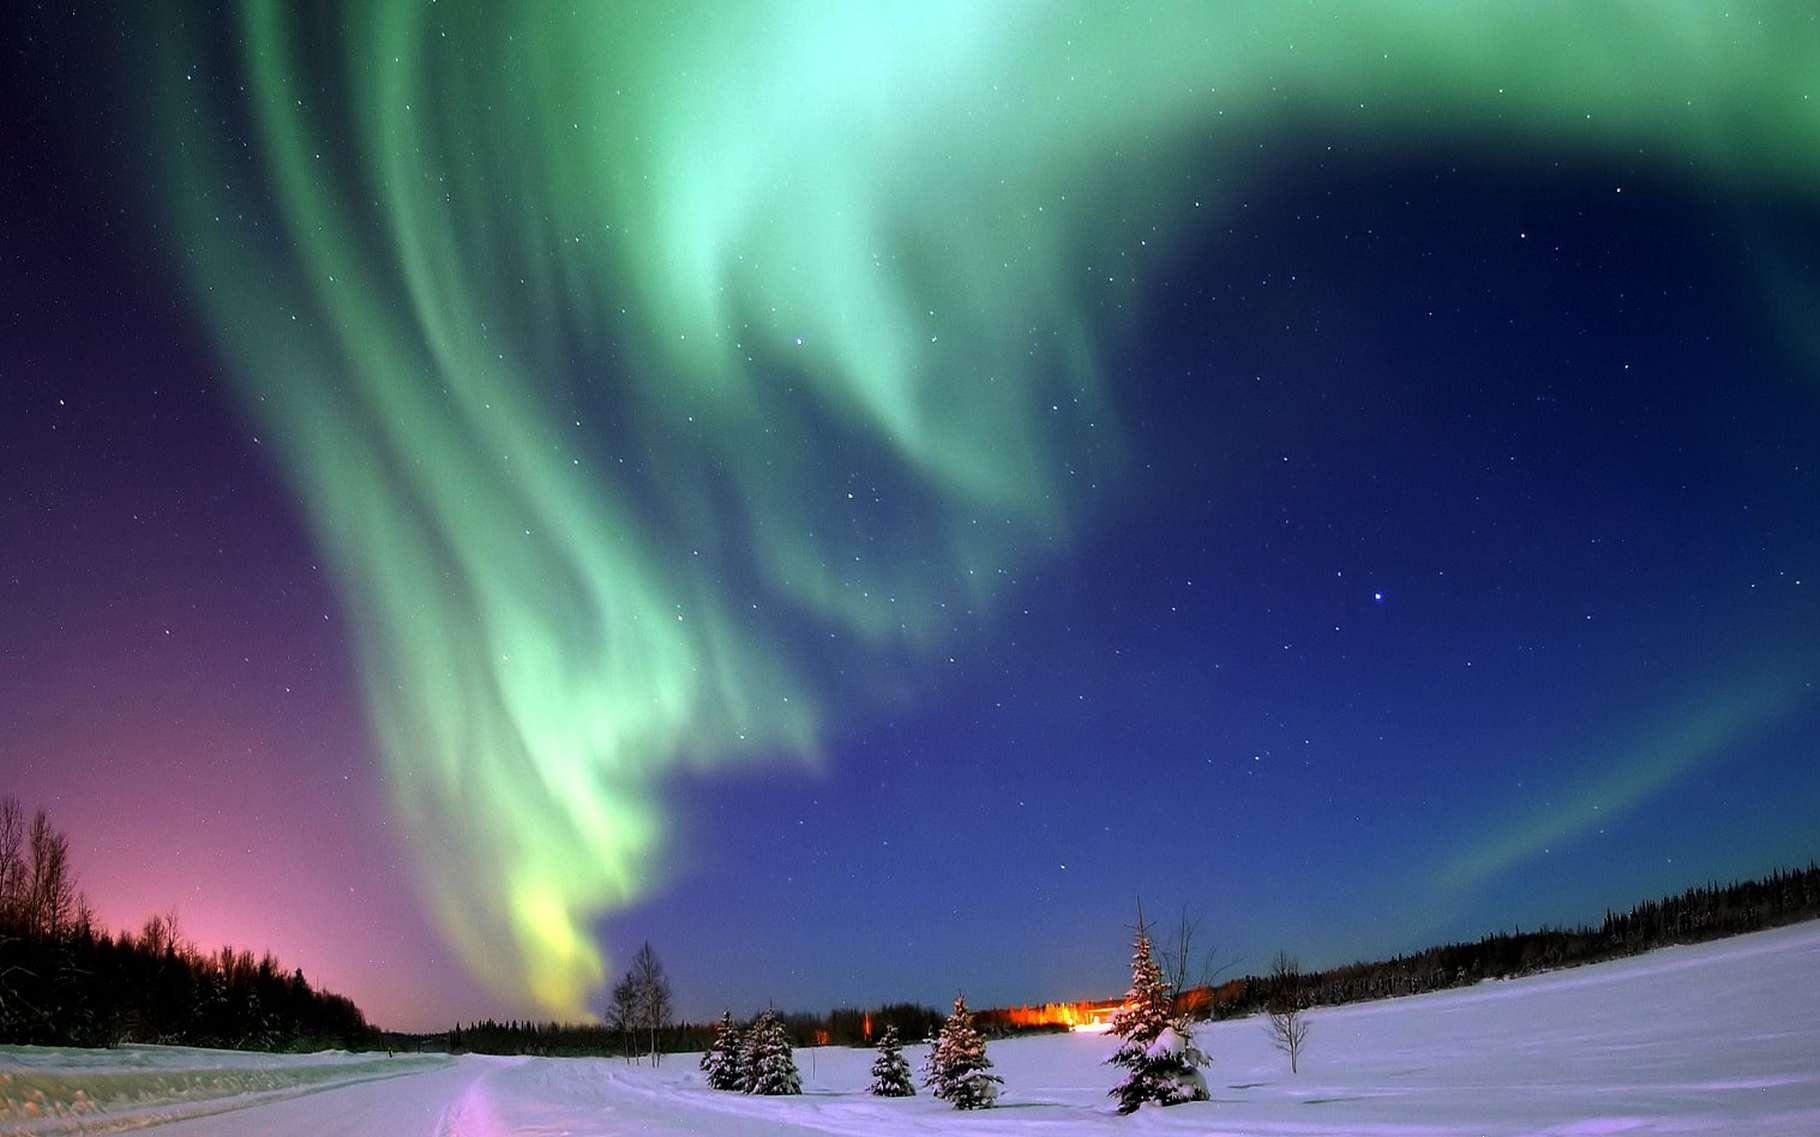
(45,1090)
(1718,1039)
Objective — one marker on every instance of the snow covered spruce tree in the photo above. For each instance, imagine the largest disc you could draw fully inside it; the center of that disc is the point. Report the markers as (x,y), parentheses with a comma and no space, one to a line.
(745,1067)
(958,1070)
(1158,1053)
(890,1070)
(773,1068)
(721,1061)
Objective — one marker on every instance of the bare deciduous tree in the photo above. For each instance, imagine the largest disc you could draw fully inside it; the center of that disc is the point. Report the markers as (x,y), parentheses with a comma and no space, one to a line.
(51,899)
(13,881)
(13,878)
(1286,1009)
(653,989)
(640,1003)
(162,934)
(1189,962)
(622,1012)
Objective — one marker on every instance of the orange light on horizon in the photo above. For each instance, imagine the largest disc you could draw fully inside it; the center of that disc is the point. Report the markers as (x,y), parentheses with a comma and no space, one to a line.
(1085,1017)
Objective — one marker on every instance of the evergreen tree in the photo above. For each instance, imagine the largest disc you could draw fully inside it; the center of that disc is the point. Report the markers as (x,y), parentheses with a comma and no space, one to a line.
(958,1070)
(746,1069)
(772,1069)
(890,1070)
(1158,1053)
(721,1061)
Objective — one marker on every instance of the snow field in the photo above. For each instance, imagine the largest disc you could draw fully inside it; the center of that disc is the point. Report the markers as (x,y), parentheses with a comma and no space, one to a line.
(1723,1038)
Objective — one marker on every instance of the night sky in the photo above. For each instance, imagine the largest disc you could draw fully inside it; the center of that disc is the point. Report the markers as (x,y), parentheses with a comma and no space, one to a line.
(857,499)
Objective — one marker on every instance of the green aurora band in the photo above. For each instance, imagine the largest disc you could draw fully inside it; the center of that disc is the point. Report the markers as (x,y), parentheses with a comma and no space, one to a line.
(633,362)
(1624,771)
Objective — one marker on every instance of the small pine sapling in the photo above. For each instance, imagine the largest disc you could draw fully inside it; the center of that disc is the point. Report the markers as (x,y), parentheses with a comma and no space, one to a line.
(891,1070)
(958,1070)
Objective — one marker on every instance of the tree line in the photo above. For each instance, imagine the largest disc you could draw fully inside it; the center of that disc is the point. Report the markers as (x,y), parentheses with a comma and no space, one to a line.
(621,1034)
(66,981)
(1703,912)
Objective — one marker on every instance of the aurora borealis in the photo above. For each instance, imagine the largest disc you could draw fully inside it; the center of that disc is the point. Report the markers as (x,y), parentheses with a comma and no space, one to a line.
(680,397)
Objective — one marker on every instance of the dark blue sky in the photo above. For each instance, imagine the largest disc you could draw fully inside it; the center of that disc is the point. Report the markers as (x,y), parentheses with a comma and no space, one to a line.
(1553,425)
(1465,489)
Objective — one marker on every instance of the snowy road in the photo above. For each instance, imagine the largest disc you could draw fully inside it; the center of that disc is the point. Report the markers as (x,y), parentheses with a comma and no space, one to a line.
(1718,1039)
(408,1104)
